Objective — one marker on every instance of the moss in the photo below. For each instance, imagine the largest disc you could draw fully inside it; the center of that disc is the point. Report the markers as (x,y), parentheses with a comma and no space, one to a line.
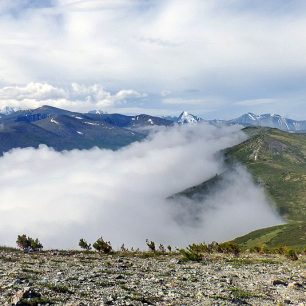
(58,288)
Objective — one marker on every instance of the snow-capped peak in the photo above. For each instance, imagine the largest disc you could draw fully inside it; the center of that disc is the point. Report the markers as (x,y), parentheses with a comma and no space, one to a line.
(186,118)
(270,120)
(97,112)
(7,110)
(252,116)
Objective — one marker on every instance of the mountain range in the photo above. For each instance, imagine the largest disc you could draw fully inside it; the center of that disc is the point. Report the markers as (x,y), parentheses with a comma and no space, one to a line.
(65,130)
(270,120)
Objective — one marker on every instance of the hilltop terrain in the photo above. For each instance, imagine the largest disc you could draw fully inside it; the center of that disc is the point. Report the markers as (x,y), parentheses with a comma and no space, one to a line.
(82,278)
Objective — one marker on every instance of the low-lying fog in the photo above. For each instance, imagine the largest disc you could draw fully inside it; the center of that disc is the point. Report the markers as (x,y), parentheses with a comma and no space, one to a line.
(121,195)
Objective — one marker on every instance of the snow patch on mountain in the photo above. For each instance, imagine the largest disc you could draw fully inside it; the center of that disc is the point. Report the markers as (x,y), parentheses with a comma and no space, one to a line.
(8,110)
(270,120)
(97,112)
(91,123)
(186,118)
(54,121)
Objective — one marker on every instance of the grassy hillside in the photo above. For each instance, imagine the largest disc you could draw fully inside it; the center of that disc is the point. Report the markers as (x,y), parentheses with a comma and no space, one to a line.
(292,234)
(277,160)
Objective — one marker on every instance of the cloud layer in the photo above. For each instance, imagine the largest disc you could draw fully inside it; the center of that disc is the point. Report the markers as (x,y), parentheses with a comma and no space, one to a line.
(121,195)
(74,97)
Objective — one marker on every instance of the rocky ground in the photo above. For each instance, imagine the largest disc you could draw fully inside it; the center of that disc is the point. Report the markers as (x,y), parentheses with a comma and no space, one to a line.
(80,278)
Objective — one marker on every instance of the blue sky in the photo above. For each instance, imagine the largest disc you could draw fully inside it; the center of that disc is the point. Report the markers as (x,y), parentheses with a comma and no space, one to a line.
(214,58)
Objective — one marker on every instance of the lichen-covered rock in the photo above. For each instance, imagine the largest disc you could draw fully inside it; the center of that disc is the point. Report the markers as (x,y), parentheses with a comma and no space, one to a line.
(89,278)
(24,296)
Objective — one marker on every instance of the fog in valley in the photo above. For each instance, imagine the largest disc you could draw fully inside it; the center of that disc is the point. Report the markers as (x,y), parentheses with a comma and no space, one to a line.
(121,195)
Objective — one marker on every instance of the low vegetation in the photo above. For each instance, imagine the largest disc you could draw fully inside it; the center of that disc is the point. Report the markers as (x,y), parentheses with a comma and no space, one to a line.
(103,246)
(291,235)
(277,160)
(193,252)
(28,244)
(83,244)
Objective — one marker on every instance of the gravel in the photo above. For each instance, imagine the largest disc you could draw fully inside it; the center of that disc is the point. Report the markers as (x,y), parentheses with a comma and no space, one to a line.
(89,278)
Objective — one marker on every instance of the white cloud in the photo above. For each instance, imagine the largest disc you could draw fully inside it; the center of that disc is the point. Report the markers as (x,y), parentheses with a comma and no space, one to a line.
(175,43)
(61,197)
(75,97)
(230,49)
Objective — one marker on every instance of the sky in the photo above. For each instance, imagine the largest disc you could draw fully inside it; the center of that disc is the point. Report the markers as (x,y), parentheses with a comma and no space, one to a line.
(213,58)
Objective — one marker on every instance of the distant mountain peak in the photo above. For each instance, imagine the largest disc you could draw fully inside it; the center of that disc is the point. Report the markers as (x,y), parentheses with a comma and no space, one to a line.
(270,120)
(97,112)
(186,118)
(8,110)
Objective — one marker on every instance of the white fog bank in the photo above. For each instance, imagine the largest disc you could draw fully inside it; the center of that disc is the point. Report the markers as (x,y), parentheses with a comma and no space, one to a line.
(121,195)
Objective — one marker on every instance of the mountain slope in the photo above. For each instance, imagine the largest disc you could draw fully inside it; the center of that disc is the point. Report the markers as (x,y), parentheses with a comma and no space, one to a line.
(292,234)
(186,118)
(62,130)
(138,121)
(277,160)
(270,120)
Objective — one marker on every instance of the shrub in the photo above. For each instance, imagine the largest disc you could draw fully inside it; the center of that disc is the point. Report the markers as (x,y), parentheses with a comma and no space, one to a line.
(35,244)
(102,246)
(262,249)
(291,254)
(199,248)
(229,248)
(123,248)
(212,247)
(161,248)
(23,242)
(191,254)
(151,245)
(280,250)
(169,248)
(83,244)
(28,244)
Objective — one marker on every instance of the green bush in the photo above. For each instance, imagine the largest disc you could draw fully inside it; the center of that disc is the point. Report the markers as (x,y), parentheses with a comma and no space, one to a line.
(262,249)
(28,244)
(151,245)
(102,246)
(291,254)
(189,254)
(83,244)
(199,248)
(161,248)
(228,248)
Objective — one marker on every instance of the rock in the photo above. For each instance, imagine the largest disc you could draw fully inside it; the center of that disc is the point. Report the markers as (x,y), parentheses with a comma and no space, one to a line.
(287,301)
(26,293)
(120,277)
(278,282)
(160,280)
(295,285)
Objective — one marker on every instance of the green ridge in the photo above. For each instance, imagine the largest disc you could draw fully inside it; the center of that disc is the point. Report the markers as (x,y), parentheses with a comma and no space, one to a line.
(277,160)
